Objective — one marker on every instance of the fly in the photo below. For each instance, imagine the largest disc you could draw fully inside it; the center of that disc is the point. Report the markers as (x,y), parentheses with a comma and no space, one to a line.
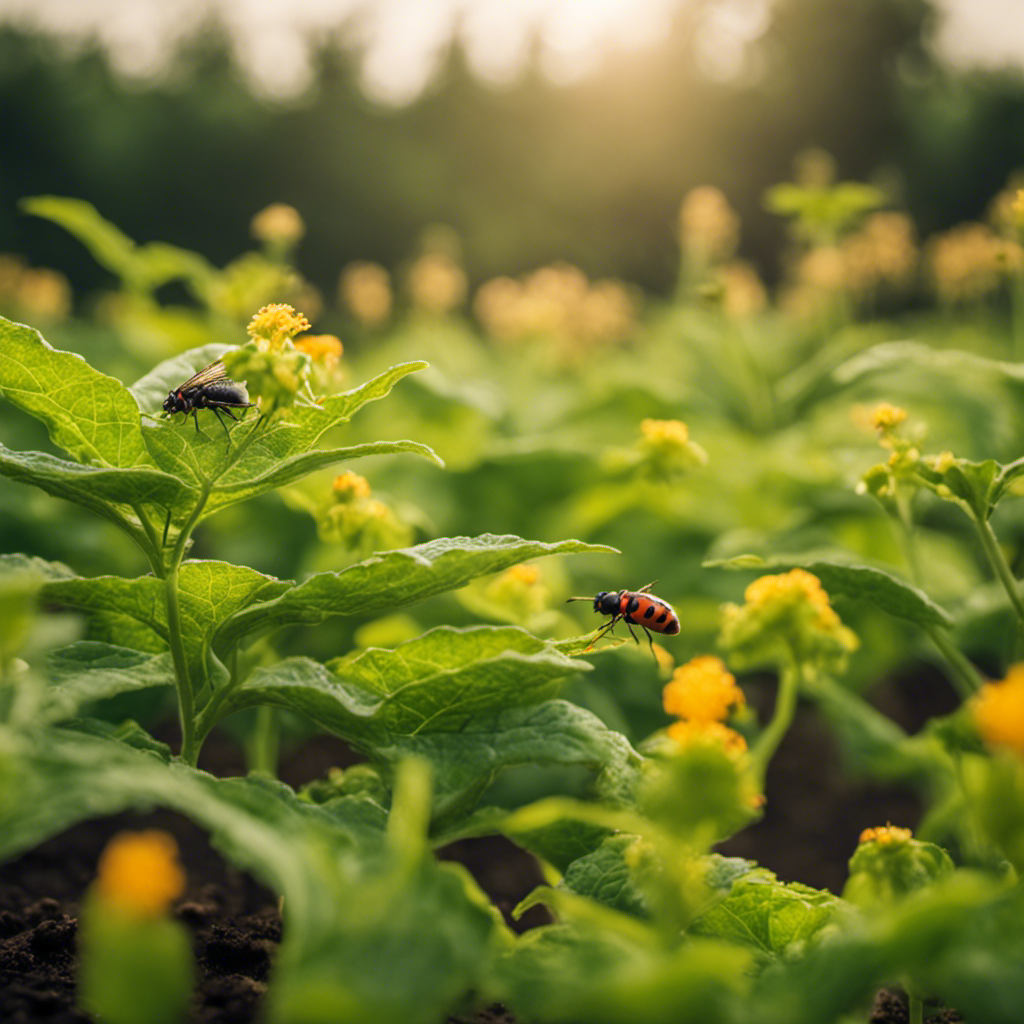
(210,388)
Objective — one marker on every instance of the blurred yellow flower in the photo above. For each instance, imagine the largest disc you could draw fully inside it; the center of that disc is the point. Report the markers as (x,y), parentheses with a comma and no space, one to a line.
(886,417)
(437,284)
(278,224)
(708,225)
(364,288)
(886,834)
(325,349)
(882,254)
(688,733)
(349,486)
(139,872)
(969,261)
(743,293)
(702,690)
(998,711)
(798,586)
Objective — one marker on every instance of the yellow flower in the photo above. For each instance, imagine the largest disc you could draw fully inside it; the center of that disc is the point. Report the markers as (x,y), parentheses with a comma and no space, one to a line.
(687,733)
(886,834)
(743,292)
(349,486)
(526,574)
(998,711)
(702,690)
(789,588)
(278,223)
(275,324)
(365,289)
(786,616)
(885,417)
(325,349)
(139,872)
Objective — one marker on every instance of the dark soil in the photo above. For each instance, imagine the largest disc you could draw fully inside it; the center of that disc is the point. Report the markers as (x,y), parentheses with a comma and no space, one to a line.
(814,814)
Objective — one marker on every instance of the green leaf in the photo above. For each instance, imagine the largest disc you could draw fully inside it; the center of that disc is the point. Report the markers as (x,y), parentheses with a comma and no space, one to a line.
(210,592)
(438,682)
(840,575)
(88,671)
(579,972)
(144,267)
(91,416)
(471,702)
(370,934)
(262,454)
(101,490)
(18,564)
(604,875)
(763,912)
(395,578)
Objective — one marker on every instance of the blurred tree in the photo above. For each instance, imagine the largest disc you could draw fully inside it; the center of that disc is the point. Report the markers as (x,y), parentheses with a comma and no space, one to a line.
(592,172)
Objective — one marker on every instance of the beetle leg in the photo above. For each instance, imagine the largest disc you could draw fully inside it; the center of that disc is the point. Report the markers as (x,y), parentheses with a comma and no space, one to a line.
(629,626)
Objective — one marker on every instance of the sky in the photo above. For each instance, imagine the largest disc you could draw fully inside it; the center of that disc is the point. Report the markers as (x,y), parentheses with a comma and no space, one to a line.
(402,40)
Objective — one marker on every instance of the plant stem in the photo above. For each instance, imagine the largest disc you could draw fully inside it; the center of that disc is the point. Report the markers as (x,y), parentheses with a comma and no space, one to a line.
(915,1010)
(262,747)
(186,697)
(186,700)
(964,676)
(782,717)
(996,558)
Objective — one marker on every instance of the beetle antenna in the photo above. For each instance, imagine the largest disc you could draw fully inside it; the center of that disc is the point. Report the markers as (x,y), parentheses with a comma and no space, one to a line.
(591,599)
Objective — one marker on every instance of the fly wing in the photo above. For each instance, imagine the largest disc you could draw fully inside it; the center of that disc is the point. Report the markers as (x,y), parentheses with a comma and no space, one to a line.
(207,375)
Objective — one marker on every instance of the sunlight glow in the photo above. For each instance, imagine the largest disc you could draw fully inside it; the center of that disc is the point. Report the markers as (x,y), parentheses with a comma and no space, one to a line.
(404,41)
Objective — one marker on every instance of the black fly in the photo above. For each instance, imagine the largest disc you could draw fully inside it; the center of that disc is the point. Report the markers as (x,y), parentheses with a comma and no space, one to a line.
(210,388)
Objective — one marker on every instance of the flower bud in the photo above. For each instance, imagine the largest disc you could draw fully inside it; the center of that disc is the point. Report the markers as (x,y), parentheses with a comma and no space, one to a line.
(889,864)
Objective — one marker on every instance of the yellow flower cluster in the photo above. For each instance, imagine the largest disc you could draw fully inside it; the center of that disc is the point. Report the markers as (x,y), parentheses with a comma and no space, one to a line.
(702,690)
(278,224)
(364,289)
(796,587)
(352,517)
(666,449)
(557,302)
(786,616)
(274,325)
(970,261)
(886,417)
(708,226)
(520,591)
(437,284)
(886,835)
(33,293)
(998,711)
(701,694)
(139,872)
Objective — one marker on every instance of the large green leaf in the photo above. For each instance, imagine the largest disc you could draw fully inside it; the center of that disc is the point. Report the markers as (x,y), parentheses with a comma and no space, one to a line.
(841,575)
(394,578)
(767,914)
(91,416)
(374,931)
(88,671)
(209,593)
(99,489)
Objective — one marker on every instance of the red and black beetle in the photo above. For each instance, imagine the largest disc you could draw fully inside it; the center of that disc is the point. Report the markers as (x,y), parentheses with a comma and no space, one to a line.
(635,608)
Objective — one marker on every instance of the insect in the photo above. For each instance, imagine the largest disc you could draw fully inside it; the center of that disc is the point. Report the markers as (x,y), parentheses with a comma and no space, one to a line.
(210,388)
(635,608)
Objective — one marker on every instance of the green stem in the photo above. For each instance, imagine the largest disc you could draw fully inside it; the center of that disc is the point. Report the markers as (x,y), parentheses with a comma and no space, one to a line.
(262,746)
(915,1010)
(186,697)
(186,700)
(996,558)
(153,550)
(785,708)
(964,676)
